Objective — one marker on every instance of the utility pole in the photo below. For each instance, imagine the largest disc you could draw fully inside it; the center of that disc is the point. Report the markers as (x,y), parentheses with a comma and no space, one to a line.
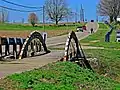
(22,20)
(7,17)
(44,18)
(75,17)
(82,14)
(67,22)
(2,15)
(44,35)
(96,16)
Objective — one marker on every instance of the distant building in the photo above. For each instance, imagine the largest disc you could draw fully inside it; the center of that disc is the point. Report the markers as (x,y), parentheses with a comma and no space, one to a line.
(118,19)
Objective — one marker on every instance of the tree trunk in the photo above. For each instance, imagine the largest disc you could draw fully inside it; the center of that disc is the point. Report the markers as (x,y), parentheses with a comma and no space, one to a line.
(33,23)
(56,22)
(111,19)
(115,18)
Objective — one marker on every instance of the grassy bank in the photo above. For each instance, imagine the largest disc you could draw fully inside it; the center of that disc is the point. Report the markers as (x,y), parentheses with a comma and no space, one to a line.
(98,38)
(109,57)
(109,62)
(58,76)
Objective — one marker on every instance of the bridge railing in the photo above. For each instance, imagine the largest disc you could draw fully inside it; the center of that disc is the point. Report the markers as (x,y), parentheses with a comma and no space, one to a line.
(18,48)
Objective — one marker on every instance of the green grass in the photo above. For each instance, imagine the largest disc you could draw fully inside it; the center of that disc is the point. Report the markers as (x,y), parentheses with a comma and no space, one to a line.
(59,76)
(109,62)
(7,26)
(109,57)
(99,37)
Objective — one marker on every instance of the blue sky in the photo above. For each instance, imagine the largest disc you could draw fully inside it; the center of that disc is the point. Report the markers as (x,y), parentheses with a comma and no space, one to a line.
(88,5)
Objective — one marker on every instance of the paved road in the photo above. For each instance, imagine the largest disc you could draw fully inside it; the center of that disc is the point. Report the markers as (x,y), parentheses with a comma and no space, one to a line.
(7,68)
(62,39)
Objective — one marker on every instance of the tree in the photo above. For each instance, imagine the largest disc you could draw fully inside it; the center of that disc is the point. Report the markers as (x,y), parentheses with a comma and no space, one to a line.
(56,10)
(33,19)
(3,15)
(109,8)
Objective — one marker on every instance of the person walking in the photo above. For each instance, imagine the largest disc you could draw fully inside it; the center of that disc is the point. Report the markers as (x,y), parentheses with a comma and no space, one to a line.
(92,30)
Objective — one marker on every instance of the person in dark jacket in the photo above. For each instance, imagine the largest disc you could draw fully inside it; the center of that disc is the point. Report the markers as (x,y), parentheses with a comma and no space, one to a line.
(92,30)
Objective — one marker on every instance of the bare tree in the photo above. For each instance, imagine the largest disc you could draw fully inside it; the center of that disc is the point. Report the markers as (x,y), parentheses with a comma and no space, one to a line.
(109,8)
(56,9)
(3,15)
(33,19)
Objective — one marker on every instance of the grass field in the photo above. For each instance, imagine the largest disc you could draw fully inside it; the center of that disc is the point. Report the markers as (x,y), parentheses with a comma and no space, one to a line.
(58,76)
(23,30)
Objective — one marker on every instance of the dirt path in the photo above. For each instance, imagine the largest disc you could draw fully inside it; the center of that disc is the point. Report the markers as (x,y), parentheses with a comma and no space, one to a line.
(25,33)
